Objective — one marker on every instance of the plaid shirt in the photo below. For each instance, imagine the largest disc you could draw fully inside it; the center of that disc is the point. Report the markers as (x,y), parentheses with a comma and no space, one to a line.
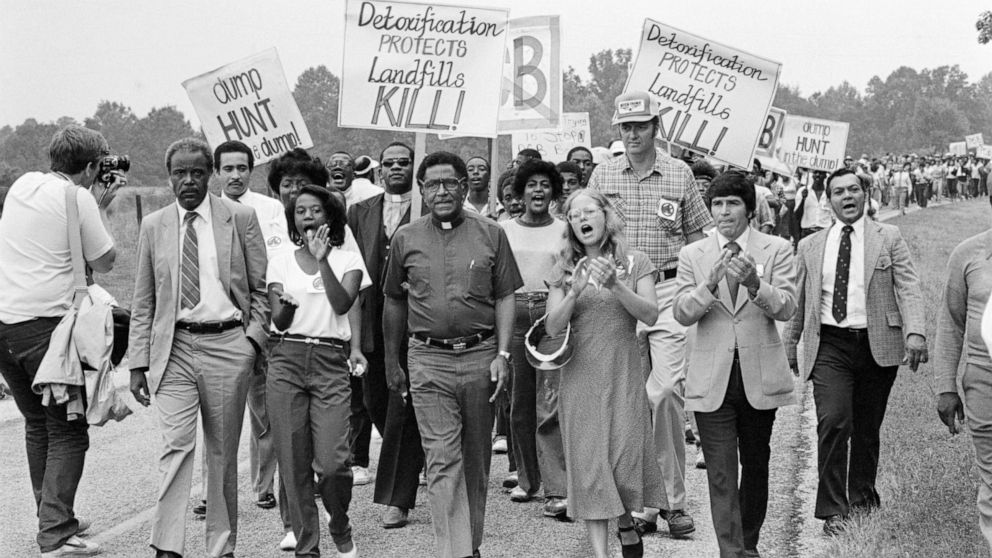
(658,211)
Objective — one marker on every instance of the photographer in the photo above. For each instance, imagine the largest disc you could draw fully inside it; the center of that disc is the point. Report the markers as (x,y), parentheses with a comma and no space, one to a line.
(37,279)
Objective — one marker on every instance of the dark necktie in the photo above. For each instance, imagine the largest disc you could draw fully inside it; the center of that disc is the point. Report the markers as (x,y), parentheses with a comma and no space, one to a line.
(190,282)
(732,283)
(842,273)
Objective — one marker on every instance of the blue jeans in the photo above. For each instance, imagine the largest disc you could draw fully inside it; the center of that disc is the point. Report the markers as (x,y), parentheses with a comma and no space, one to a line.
(56,447)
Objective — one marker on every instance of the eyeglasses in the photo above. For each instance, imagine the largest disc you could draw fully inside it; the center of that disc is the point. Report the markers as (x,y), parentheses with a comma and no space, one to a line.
(403,163)
(576,215)
(450,184)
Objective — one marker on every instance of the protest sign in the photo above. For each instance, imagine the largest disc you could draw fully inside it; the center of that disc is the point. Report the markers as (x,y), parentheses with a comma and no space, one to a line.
(984,152)
(422,68)
(249,101)
(957,148)
(532,88)
(713,99)
(554,145)
(770,132)
(813,143)
(974,141)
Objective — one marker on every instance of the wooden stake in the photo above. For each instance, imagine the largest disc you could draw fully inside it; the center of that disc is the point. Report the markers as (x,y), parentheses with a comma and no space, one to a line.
(419,152)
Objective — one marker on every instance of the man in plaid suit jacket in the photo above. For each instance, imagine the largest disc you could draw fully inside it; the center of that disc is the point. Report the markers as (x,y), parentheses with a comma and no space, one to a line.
(861,309)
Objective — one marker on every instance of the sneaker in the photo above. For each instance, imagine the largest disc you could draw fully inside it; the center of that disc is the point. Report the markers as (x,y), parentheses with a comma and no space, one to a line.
(74,546)
(288,542)
(518,494)
(83,525)
(511,480)
(700,458)
(361,475)
(266,501)
(499,444)
(680,523)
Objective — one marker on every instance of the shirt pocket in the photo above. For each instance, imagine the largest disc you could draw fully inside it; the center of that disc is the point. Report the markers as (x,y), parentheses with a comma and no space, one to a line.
(480,280)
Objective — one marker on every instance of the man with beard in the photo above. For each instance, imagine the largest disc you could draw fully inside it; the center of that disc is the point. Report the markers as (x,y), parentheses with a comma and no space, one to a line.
(341,168)
(374,221)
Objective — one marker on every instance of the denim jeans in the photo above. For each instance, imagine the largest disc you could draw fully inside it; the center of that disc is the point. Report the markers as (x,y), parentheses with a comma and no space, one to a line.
(56,447)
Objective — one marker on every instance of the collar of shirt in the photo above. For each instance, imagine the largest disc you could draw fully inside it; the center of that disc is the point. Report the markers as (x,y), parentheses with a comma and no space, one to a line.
(203,210)
(397,198)
(448,225)
(244,197)
(657,167)
(741,240)
(859,228)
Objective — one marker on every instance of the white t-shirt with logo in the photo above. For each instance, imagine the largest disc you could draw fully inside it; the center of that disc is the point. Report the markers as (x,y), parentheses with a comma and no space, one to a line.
(271,219)
(315,317)
(36,277)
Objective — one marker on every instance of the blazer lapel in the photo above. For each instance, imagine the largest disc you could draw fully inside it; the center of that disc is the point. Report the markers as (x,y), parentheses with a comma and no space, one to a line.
(709,254)
(170,241)
(814,271)
(223,233)
(873,249)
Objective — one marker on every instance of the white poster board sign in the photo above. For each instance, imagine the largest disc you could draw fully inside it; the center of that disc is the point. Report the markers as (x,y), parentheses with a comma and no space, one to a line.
(813,143)
(532,78)
(713,98)
(985,152)
(957,148)
(770,132)
(422,67)
(554,145)
(974,141)
(249,101)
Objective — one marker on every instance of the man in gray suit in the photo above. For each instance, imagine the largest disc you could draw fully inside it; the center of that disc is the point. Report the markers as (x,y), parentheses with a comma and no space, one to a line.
(861,310)
(198,320)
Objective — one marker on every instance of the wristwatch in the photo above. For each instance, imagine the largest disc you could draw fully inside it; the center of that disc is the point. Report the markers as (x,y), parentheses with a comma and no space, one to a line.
(506,355)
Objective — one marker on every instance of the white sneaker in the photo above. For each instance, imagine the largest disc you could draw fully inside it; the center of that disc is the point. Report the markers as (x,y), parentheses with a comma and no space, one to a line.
(288,542)
(353,553)
(361,475)
(74,546)
(423,478)
(499,444)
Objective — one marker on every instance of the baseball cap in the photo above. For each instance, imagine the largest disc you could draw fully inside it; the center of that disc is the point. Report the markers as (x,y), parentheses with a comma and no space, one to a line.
(633,106)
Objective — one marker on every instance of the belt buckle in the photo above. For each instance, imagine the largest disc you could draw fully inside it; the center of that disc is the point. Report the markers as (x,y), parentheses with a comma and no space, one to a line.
(459,346)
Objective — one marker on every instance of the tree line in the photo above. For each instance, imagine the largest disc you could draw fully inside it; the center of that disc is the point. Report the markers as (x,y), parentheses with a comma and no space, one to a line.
(909,111)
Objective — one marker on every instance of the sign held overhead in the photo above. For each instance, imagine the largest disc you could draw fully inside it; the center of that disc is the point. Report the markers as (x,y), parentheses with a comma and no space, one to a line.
(532,79)
(813,143)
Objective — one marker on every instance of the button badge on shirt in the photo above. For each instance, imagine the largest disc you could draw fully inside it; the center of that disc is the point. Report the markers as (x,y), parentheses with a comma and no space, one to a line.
(668,209)
(316,286)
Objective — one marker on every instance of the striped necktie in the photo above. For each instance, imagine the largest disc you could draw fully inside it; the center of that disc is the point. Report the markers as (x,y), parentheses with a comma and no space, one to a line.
(190,283)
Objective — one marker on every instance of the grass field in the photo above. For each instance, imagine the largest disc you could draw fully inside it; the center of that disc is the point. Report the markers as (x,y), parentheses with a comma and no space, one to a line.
(927,479)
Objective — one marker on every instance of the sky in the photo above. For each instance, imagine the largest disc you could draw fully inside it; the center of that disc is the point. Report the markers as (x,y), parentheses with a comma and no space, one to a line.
(60,58)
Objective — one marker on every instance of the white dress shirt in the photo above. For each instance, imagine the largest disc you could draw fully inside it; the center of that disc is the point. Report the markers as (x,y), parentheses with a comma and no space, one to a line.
(816,212)
(272,220)
(394,206)
(857,315)
(215,304)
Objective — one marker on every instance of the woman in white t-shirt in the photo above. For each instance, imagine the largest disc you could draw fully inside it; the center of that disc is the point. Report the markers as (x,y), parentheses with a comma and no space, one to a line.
(308,389)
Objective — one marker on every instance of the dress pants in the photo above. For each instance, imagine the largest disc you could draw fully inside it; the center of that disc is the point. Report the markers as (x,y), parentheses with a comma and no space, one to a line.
(56,447)
(976,383)
(663,358)
(737,427)
(309,394)
(401,456)
(206,373)
(261,452)
(851,392)
(450,391)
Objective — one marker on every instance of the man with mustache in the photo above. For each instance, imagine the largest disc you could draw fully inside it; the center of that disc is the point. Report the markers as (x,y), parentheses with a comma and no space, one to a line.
(199,320)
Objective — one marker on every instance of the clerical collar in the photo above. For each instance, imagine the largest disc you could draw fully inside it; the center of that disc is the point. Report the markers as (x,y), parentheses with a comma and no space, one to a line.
(398,198)
(448,225)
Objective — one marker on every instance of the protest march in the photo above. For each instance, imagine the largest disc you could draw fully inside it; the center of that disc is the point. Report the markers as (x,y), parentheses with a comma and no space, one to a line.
(456,299)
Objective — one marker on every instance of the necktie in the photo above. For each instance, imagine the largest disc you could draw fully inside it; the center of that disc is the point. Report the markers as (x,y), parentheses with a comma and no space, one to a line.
(732,283)
(841,274)
(190,282)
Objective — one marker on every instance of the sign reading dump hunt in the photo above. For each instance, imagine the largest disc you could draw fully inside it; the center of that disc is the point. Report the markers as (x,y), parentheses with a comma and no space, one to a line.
(422,68)
(249,101)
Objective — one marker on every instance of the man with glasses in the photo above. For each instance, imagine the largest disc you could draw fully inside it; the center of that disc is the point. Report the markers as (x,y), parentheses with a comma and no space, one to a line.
(449,287)
(657,198)
(374,221)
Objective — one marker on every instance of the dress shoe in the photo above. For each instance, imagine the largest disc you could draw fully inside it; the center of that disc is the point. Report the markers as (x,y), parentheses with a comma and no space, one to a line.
(751,553)
(200,510)
(644,526)
(74,546)
(288,542)
(499,444)
(833,525)
(266,501)
(518,494)
(556,507)
(352,553)
(360,475)
(83,525)
(511,480)
(680,524)
(395,517)
(167,554)
(635,550)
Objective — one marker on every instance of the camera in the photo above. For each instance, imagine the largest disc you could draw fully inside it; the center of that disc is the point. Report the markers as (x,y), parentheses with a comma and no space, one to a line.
(110,163)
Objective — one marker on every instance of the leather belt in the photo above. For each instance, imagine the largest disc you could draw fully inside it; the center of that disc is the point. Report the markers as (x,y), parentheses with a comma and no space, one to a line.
(667,274)
(318,341)
(535,296)
(844,330)
(208,327)
(456,343)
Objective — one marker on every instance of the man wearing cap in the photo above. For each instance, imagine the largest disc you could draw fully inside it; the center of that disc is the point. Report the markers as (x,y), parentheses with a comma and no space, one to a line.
(450,283)
(657,198)
(344,173)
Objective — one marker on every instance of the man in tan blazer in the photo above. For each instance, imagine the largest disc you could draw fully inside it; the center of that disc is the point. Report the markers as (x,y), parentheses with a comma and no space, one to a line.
(198,319)
(734,285)
(861,316)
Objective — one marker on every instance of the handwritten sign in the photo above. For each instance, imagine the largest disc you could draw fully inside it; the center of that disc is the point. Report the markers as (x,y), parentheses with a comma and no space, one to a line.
(974,141)
(532,88)
(984,152)
(422,67)
(957,148)
(554,145)
(713,99)
(813,143)
(770,132)
(249,101)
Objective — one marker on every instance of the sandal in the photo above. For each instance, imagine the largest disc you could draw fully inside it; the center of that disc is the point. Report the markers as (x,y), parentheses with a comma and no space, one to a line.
(635,550)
